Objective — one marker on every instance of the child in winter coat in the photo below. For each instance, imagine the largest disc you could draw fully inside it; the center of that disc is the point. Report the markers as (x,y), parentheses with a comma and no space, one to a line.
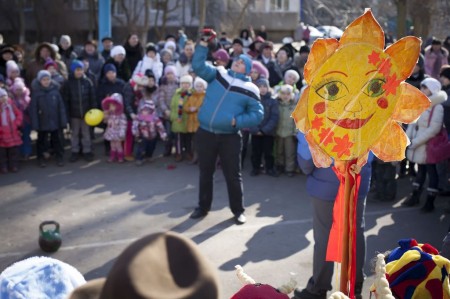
(116,125)
(285,135)
(178,117)
(12,72)
(145,128)
(427,126)
(79,95)
(151,61)
(51,66)
(10,121)
(48,117)
(20,95)
(167,88)
(107,86)
(263,134)
(291,77)
(191,108)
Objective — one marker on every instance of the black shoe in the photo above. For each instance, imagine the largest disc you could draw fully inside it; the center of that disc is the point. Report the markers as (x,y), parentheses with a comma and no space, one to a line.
(198,213)
(74,157)
(60,162)
(305,294)
(290,174)
(88,157)
(240,218)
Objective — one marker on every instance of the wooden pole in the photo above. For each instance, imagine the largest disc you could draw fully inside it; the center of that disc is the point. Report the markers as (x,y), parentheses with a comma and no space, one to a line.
(345,235)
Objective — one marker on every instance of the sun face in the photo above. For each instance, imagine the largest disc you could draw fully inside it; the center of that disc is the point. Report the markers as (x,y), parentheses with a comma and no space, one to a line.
(355,95)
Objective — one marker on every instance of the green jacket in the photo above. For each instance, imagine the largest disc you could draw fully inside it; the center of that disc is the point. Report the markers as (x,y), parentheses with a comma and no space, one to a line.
(286,125)
(178,117)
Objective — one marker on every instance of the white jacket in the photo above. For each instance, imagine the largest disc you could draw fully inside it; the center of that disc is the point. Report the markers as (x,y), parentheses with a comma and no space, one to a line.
(419,133)
(150,64)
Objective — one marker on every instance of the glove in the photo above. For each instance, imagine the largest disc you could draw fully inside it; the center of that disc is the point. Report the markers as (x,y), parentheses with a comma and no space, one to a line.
(207,35)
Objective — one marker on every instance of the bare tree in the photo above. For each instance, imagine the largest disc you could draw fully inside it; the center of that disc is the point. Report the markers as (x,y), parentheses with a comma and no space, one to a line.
(164,8)
(202,15)
(421,18)
(401,18)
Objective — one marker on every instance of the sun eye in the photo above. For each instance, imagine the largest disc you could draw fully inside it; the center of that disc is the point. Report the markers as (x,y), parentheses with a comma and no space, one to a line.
(374,88)
(332,91)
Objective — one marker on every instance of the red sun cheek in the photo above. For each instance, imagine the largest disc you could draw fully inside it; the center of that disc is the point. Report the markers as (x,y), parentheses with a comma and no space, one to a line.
(383,103)
(319,108)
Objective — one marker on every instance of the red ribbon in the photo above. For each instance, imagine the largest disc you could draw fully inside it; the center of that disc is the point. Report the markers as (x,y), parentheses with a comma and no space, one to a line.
(335,240)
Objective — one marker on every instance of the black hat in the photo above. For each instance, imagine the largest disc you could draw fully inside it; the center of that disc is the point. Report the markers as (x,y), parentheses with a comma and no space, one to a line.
(107,38)
(445,71)
(149,73)
(304,49)
(238,41)
(436,41)
(150,47)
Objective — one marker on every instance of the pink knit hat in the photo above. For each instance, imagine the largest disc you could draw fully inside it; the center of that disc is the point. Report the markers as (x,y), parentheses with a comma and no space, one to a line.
(258,67)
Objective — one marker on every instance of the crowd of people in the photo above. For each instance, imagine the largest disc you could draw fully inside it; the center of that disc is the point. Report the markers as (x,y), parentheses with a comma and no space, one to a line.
(147,93)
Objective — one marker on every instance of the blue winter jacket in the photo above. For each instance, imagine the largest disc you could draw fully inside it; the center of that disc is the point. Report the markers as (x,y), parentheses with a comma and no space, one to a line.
(229,95)
(268,125)
(323,183)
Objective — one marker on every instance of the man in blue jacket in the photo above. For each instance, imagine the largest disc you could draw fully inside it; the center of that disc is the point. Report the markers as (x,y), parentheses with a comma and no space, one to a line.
(231,102)
(322,186)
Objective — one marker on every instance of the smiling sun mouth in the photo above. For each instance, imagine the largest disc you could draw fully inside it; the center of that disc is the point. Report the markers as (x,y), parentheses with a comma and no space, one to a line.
(348,123)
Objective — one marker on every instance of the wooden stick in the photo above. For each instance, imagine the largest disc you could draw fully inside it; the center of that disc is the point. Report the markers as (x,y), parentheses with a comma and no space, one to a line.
(345,235)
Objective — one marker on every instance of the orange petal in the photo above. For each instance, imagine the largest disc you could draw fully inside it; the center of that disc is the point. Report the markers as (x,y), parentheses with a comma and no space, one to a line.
(300,113)
(320,158)
(392,144)
(321,50)
(405,53)
(410,104)
(364,29)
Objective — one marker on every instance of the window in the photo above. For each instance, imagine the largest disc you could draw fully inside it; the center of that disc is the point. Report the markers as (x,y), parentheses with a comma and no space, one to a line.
(80,5)
(280,5)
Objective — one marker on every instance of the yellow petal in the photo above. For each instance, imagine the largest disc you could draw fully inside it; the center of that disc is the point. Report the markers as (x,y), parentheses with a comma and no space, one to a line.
(320,158)
(392,144)
(321,50)
(300,113)
(405,53)
(410,104)
(364,29)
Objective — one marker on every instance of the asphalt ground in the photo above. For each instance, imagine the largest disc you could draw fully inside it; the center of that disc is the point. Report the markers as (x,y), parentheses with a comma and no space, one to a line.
(102,207)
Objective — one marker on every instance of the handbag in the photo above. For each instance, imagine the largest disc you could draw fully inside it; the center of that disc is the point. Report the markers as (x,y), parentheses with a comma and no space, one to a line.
(438,147)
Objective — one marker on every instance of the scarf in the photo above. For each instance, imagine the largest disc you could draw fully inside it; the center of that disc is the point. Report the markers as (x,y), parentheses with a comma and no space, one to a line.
(6,107)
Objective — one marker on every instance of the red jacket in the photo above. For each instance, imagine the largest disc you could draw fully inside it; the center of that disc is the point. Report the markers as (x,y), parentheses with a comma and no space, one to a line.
(9,128)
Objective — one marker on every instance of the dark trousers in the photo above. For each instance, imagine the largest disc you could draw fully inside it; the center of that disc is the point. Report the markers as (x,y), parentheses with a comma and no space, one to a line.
(433,179)
(145,147)
(262,145)
(245,139)
(385,182)
(56,142)
(228,148)
(183,142)
(9,157)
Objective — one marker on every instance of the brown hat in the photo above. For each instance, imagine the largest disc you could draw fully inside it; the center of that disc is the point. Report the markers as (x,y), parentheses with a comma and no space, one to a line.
(158,266)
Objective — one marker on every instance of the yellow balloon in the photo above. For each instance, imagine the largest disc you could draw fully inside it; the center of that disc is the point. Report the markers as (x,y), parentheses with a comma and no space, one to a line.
(93,117)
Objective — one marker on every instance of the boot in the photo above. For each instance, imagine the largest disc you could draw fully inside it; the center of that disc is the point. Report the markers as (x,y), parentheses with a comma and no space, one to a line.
(120,156)
(414,199)
(429,204)
(112,156)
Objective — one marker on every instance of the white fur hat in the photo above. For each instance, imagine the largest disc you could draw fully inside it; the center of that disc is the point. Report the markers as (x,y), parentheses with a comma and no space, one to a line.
(432,84)
(199,80)
(117,50)
(186,79)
